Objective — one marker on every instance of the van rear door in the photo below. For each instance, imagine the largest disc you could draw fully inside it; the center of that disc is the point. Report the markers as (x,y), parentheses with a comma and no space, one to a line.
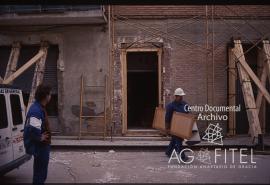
(17,117)
(6,152)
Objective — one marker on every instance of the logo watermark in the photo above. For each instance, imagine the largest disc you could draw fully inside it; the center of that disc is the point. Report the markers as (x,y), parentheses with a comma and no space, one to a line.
(217,157)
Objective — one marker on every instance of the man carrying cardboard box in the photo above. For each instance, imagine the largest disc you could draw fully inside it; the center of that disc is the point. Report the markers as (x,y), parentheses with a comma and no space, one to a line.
(178,106)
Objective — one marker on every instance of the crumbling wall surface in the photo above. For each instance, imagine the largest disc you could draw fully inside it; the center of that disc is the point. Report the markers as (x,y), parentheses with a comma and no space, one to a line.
(86,52)
(82,50)
(117,93)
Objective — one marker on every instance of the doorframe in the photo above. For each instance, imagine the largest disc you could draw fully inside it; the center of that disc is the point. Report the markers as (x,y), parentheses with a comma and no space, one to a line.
(123,59)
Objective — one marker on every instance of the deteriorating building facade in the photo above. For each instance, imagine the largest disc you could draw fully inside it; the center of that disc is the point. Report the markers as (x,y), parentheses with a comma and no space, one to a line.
(132,58)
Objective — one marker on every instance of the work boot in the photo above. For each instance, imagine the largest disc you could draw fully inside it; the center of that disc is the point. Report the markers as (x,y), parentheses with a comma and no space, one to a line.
(168,154)
(184,159)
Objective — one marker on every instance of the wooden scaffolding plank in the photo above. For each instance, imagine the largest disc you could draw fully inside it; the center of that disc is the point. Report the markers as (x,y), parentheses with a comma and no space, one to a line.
(232,73)
(38,74)
(23,68)
(252,113)
(13,59)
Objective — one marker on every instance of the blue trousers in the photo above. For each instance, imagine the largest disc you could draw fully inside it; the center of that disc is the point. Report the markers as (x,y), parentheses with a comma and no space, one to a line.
(176,143)
(41,161)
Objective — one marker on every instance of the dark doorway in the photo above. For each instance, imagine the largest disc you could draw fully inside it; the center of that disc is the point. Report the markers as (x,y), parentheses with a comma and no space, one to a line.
(142,89)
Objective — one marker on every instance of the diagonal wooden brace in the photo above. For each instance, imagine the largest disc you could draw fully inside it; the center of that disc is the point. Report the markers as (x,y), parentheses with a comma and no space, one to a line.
(241,59)
(23,68)
(13,59)
(39,73)
(252,113)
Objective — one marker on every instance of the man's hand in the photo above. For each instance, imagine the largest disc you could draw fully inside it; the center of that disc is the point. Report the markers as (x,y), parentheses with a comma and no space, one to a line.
(44,137)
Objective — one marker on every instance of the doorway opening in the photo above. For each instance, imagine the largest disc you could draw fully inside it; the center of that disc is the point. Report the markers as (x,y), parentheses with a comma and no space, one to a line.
(142,89)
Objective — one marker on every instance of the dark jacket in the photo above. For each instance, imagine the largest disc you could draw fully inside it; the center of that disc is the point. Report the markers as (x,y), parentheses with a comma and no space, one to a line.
(33,129)
(170,108)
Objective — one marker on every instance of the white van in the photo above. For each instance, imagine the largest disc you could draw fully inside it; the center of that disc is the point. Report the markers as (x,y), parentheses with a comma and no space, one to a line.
(12,118)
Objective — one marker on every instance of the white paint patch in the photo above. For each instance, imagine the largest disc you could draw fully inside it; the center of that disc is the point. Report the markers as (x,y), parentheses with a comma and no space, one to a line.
(108,177)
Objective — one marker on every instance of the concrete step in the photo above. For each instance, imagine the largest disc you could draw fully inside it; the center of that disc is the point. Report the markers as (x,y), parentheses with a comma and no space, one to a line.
(123,138)
(143,132)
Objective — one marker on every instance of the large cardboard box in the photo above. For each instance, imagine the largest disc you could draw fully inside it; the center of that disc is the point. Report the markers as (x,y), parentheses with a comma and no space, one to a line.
(182,124)
(195,138)
(159,119)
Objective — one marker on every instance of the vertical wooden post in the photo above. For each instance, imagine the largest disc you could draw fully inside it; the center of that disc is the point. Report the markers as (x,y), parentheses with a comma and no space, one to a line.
(160,90)
(13,59)
(232,91)
(252,113)
(266,48)
(123,58)
(105,109)
(81,106)
(39,73)
(260,101)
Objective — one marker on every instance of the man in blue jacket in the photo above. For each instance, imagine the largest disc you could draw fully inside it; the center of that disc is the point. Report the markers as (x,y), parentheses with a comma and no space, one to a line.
(37,134)
(178,106)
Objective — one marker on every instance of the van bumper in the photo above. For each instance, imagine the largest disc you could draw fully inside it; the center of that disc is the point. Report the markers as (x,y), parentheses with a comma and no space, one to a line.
(14,164)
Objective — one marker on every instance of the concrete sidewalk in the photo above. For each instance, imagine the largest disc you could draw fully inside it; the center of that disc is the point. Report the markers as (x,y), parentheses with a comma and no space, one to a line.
(145,142)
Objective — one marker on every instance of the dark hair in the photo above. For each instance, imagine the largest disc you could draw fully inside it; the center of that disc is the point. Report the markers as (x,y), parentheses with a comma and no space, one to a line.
(42,91)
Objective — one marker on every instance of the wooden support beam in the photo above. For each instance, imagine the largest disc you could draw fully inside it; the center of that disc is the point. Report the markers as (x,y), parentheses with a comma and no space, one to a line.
(260,101)
(23,68)
(263,81)
(13,59)
(252,113)
(241,59)
(266,49)
(81,106)
(232,73)
(265,63)
(124,90)
(38,74)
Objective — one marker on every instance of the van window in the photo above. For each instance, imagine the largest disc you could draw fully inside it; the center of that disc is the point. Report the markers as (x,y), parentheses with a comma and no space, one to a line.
(3,112)
(16,109)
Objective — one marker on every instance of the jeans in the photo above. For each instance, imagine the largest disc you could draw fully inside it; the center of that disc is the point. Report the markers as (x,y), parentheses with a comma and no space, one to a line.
(41,161)
(176,143)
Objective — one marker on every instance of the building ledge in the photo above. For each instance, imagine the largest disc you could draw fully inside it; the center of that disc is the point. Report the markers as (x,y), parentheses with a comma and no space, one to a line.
(95,16)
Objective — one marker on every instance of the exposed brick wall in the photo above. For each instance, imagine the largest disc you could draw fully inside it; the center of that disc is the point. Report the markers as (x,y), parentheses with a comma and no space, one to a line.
(192,10)
(185,64)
